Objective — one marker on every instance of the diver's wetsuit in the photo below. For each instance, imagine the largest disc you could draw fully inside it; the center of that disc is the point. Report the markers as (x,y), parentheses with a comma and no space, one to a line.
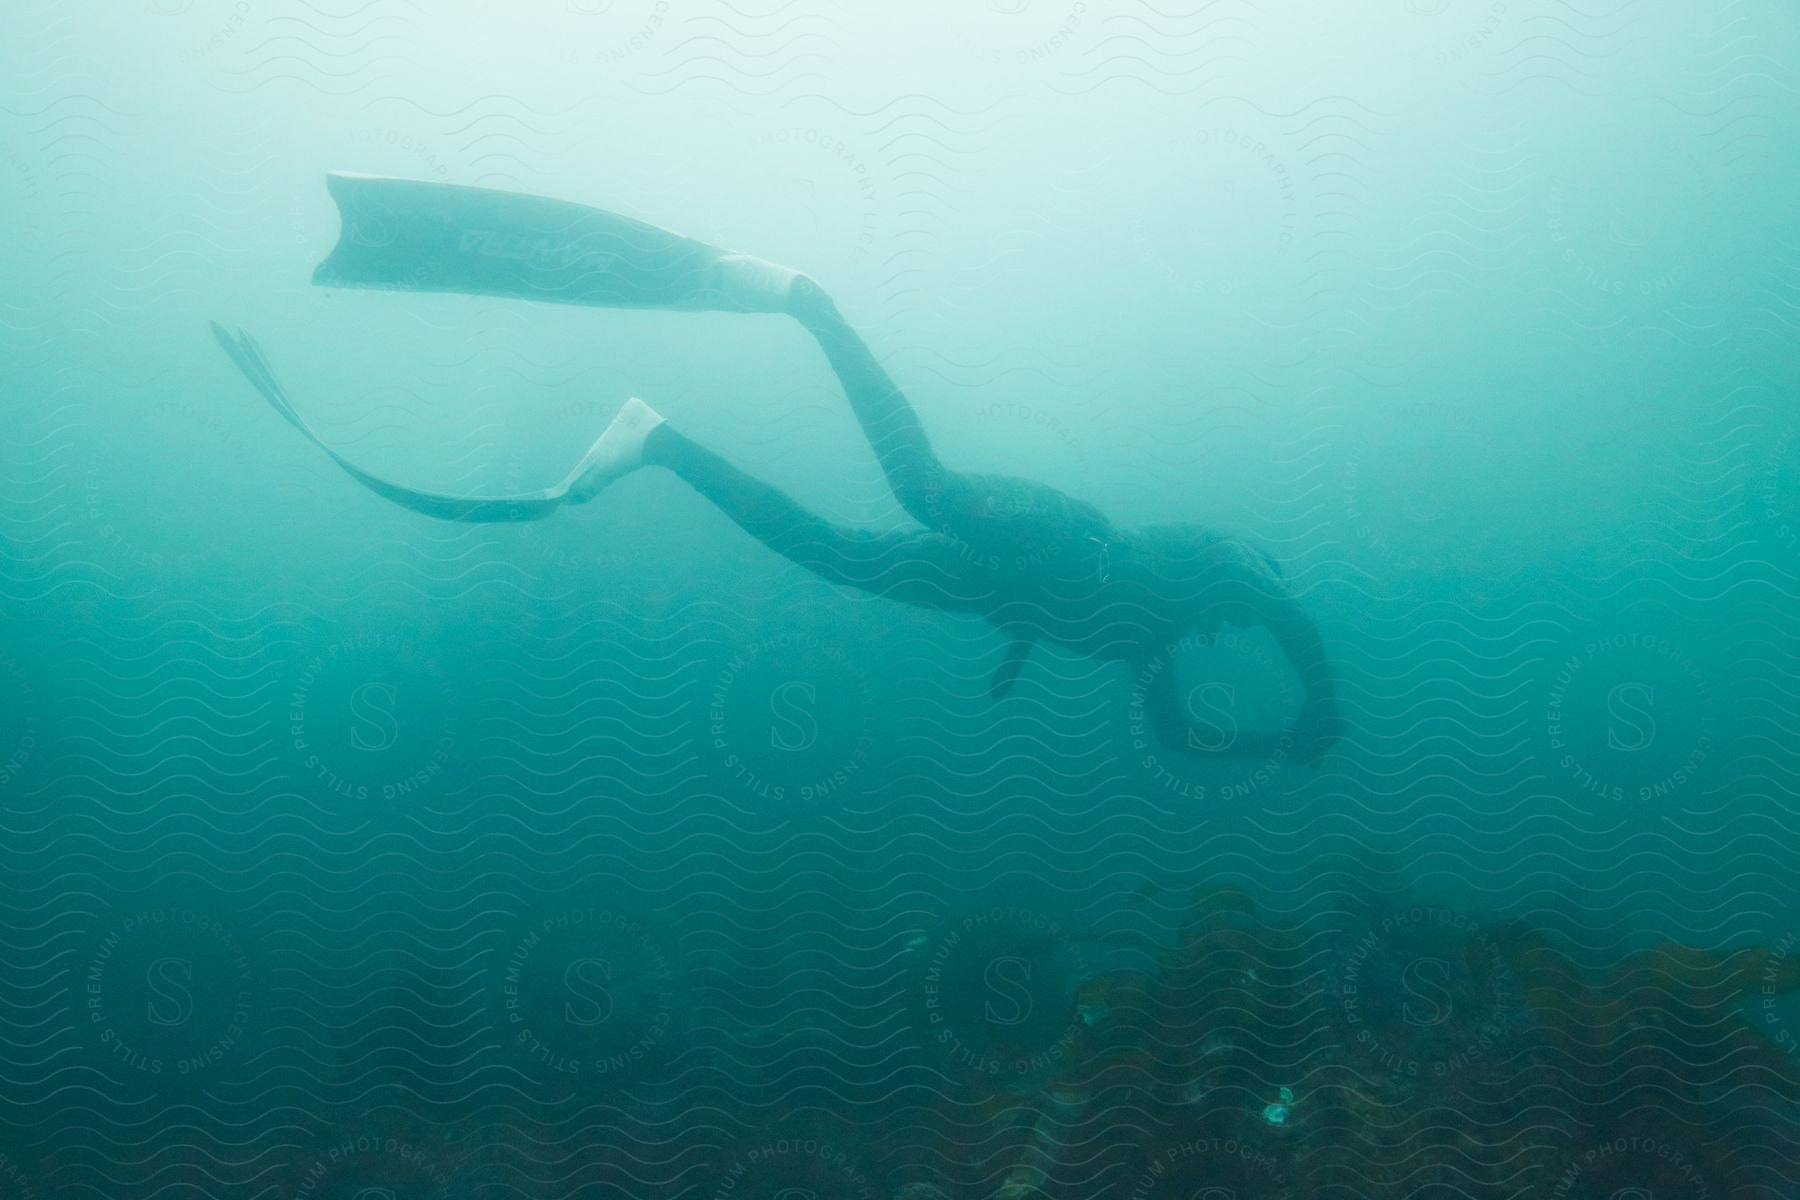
(1038,564)
(990,537)
(1005,521)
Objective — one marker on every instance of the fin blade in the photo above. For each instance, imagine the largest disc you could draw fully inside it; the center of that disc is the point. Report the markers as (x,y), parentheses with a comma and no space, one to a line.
(421,236)
(249,359)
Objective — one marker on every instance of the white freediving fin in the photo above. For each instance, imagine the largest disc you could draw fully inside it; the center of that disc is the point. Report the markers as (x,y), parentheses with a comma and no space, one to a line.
(527,506)
(618,451)
(413,235)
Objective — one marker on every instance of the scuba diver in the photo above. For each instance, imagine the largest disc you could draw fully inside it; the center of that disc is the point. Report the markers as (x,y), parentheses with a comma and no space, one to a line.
(1037,564)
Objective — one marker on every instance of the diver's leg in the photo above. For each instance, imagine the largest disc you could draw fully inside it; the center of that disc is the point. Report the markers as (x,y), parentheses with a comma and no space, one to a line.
(995,513)
(887,418)
(918,569)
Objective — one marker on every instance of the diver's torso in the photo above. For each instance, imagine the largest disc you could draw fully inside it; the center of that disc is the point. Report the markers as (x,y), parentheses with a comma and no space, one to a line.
(1056,570)
(1098,605)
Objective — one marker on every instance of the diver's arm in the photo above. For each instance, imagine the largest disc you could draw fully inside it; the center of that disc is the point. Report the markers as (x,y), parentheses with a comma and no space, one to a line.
(1320,721)
(865,379)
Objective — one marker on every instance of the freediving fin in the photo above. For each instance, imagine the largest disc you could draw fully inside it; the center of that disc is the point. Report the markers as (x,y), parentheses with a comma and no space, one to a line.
(418,236)
(529,506)
(1007,673)
(618,451)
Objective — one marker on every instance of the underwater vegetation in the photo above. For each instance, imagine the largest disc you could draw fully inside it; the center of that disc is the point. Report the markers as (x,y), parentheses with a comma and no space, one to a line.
(1411,1051)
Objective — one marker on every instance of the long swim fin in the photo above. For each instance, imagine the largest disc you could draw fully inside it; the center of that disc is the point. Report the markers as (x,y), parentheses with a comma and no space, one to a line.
(417,236)
(529,506)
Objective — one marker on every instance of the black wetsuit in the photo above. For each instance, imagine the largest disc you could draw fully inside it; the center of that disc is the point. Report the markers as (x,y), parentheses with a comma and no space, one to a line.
(1038,564)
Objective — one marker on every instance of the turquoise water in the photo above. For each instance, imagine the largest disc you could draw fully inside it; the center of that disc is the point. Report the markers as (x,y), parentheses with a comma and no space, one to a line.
(353,854)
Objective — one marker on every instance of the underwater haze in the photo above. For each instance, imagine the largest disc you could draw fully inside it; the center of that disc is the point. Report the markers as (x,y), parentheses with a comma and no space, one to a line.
(353,853)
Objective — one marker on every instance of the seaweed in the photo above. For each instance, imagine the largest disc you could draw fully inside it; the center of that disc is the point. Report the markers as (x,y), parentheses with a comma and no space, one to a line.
(1270,1055)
